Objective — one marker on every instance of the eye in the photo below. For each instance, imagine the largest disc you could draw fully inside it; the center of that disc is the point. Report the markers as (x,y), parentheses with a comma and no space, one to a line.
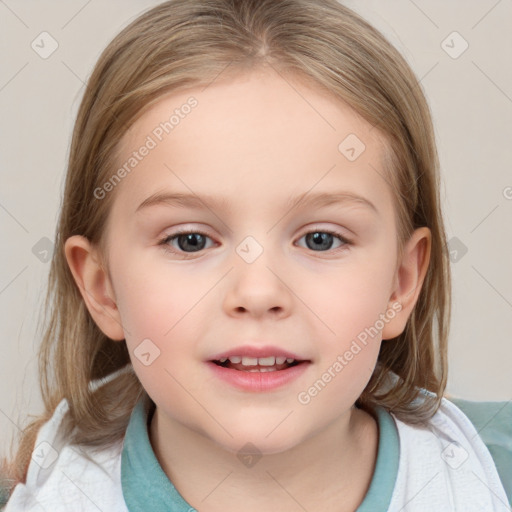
(185,242)
(321,241)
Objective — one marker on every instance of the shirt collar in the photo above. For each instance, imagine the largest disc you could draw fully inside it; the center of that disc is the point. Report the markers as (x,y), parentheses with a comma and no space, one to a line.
(145,486)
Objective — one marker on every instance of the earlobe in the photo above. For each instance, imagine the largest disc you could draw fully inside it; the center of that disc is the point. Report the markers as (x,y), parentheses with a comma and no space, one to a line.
(409,280)
(94,284)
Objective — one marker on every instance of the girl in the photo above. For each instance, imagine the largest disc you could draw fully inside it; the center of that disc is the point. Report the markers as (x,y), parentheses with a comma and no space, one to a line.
(250,293)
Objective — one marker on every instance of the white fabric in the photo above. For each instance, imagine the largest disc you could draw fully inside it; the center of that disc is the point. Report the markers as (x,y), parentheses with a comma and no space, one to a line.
(446,467)
(425,481)
(71,482)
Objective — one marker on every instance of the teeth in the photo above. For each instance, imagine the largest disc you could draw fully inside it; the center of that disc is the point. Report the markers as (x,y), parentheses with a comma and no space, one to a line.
(255,361)
(267,361)
(249,361)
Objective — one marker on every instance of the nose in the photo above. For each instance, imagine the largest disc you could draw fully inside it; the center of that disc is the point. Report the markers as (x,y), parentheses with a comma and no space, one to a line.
(258,289)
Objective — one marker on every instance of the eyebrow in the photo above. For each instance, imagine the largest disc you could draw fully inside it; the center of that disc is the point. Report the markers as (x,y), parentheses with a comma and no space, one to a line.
(319,199)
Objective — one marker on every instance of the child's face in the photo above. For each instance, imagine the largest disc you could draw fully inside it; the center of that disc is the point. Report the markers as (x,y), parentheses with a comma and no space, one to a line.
(252,145)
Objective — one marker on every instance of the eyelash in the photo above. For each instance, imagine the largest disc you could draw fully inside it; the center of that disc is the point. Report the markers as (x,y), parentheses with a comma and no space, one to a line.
(168,238)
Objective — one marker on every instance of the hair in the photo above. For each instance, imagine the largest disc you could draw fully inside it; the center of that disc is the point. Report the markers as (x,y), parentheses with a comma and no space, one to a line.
(186,43)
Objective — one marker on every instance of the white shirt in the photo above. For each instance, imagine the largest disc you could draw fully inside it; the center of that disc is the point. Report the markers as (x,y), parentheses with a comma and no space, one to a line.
(444,467)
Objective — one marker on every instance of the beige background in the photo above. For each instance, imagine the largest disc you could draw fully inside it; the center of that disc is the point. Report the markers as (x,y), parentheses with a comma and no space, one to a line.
(471,100)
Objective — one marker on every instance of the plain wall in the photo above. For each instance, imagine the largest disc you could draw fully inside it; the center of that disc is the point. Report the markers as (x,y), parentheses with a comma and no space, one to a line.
(471,101)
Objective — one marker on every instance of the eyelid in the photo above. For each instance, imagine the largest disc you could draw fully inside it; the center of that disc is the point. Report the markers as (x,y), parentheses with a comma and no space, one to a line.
(346,243)
(200,231)
(163,241)
(336,232)
(184,231)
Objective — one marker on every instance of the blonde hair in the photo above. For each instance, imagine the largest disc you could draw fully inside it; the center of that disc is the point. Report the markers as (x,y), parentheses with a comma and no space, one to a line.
(185,43)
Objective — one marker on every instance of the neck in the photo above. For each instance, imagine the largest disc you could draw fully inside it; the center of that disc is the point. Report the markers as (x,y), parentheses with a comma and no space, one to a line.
(329,471)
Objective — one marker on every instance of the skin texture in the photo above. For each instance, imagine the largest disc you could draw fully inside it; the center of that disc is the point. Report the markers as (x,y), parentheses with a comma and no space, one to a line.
(254,141)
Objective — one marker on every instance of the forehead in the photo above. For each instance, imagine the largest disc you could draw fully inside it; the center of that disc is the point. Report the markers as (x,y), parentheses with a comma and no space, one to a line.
(254,139)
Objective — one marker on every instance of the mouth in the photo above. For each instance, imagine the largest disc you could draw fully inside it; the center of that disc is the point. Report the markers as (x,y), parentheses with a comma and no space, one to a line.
(258,369)
(258,364)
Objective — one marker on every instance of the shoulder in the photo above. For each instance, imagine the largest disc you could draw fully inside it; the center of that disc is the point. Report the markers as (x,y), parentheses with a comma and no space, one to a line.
(448,454)
(493,422)
(62,477)
(448,459)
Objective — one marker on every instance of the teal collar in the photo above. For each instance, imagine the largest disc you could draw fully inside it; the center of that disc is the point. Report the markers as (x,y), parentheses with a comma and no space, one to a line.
(146,487)
(379,494)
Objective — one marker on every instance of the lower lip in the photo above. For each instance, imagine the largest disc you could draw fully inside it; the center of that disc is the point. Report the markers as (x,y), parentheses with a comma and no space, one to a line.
(258,381)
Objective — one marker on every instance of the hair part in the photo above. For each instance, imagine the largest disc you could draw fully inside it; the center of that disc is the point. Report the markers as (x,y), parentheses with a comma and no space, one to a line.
(186,43)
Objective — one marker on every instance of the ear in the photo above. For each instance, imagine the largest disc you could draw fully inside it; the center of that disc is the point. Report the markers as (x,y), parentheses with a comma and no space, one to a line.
(94,284)
(408,281)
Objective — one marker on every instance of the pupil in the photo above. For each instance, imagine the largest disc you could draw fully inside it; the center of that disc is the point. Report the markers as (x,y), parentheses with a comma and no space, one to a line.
(195,241)
(324,240)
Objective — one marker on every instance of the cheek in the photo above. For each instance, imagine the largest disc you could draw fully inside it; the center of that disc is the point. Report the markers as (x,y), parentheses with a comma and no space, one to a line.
(153,301)
(353,306)
(350,300)
(163,315)
(348,347)
(158,316)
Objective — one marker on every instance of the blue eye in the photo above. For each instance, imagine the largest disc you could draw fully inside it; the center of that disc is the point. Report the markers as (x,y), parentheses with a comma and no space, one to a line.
(185,243)
(323,240)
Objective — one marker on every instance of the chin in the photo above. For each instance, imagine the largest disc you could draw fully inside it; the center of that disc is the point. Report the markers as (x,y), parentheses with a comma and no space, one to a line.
(259,441)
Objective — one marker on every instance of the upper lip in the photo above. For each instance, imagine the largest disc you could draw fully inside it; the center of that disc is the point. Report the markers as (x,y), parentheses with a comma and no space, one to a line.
(257,351)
